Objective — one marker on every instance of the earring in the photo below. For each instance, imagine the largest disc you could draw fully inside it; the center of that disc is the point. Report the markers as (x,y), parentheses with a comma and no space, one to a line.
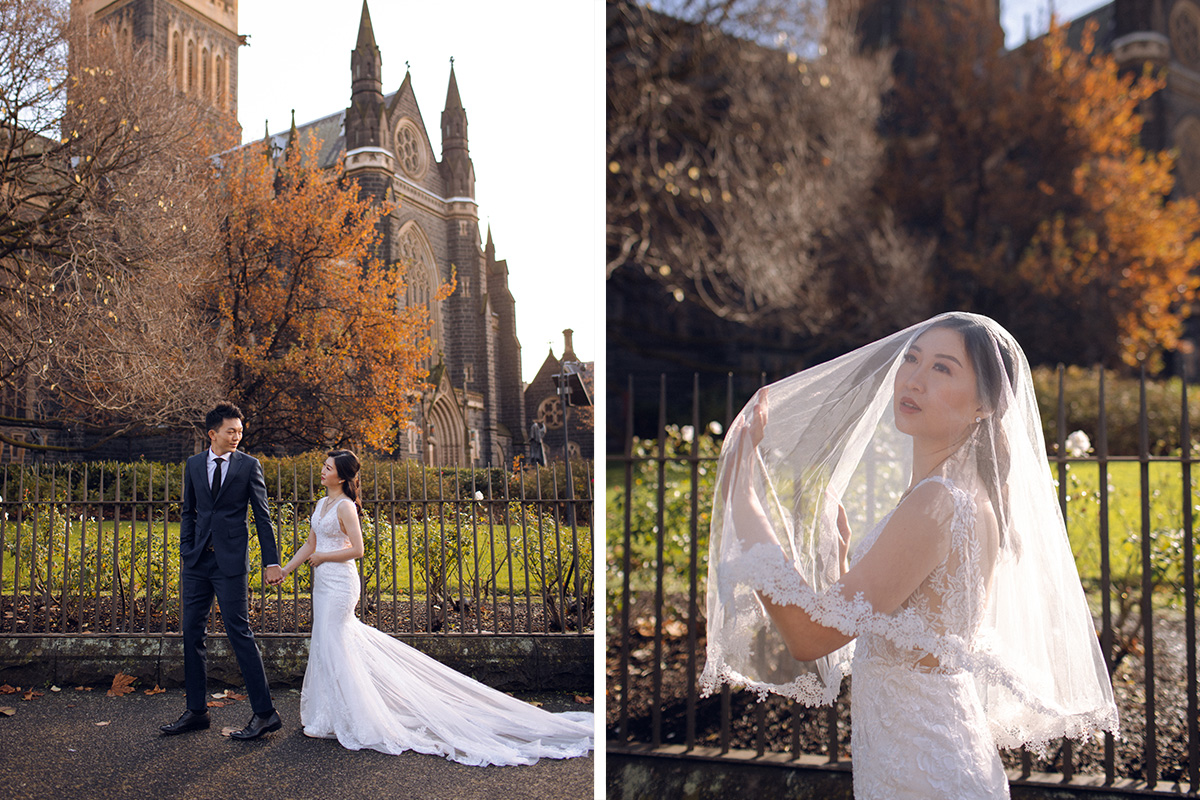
(978,420)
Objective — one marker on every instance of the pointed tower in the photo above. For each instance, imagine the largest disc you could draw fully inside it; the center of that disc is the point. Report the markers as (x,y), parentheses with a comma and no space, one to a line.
(365,118)
(456,158)
(507,350)
(369,158)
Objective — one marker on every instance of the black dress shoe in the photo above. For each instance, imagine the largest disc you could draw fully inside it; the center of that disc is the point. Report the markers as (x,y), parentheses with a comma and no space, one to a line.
(190,721)
(258,725)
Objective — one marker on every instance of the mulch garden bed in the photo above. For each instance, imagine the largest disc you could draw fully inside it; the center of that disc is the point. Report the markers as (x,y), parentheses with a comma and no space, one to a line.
(783,726)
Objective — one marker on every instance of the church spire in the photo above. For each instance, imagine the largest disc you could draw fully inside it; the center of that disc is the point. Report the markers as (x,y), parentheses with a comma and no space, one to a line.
(366,33)
(489,249)
(364,117)
(453,101)
(293,140)
(456,157)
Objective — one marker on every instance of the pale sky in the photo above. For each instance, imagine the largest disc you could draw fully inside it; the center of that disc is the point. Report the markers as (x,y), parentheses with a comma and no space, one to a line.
(532,85)
(1014,12)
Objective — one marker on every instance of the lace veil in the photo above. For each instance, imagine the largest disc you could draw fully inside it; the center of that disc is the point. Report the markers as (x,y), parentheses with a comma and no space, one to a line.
(829,438)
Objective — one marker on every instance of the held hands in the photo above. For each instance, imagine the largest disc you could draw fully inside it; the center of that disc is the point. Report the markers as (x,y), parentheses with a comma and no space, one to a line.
(274,575)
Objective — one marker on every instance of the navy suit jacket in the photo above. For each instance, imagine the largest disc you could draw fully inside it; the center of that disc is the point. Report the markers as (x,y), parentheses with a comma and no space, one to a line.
(222,519)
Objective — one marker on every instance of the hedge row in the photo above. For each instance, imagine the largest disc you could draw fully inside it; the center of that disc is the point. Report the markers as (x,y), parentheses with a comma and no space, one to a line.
(291,477)
(1122,409)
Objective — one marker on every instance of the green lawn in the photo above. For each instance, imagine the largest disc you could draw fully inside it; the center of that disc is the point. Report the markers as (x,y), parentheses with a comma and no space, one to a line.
(515,561)
(1083,525)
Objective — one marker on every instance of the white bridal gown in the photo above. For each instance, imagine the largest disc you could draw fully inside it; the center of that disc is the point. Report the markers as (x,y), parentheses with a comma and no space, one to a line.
(920,731)
(370,691)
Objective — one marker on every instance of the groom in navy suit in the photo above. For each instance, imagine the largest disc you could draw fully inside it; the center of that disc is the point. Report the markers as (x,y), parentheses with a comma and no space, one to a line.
(214,537)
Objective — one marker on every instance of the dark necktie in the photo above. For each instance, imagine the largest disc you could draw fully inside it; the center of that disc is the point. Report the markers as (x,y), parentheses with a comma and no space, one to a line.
(216,484)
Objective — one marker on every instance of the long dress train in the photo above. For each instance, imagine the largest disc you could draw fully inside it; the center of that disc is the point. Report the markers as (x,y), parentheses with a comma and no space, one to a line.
(370,691)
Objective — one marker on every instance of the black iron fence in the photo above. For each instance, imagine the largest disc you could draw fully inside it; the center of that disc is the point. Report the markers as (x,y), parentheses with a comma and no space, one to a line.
(94,548)
(1130,520)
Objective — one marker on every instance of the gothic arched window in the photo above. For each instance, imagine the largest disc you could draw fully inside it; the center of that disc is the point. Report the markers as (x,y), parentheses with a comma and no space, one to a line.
(221,84)
(191,67)
(205,83)
(177,60)
(421,280)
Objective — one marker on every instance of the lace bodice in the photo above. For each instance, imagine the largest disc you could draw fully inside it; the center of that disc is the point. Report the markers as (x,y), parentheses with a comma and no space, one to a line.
(950,601)
(326,528)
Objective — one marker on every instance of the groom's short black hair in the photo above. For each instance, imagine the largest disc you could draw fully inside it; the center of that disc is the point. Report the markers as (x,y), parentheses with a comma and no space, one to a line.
(224,411)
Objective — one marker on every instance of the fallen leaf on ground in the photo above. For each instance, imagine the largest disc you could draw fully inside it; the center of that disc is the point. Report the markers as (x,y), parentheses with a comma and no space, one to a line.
(7,711)
(227,731)
(156,690)
(580,698)
(6,689)
(216,704)
(32,694)
(121,685)
(55,689)
(101,724)
(229,694)
(83,688)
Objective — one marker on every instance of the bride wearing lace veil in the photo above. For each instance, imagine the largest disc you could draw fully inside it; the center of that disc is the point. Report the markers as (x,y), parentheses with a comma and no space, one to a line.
(892,511)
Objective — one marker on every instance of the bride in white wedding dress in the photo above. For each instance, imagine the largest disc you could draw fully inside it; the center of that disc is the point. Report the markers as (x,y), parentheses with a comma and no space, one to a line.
(370,691)
(959,611)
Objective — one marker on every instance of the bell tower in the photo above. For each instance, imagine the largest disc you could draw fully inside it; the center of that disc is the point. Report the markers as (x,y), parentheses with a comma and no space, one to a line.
(196,39)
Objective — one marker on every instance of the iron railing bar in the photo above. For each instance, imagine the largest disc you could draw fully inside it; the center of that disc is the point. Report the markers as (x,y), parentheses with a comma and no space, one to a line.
(1151,749)
(623,715)
(693,568)
(1189,585)
(660,490)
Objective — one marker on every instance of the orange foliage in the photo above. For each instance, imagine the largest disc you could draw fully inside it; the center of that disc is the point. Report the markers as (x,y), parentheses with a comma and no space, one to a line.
(1119,243)
(1025,171)
(320,350)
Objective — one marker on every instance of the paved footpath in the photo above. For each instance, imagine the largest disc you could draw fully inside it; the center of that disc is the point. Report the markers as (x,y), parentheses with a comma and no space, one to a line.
(52,748)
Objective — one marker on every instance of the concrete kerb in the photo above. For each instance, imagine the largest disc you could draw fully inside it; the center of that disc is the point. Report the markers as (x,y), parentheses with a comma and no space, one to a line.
(644,772)
(511,663)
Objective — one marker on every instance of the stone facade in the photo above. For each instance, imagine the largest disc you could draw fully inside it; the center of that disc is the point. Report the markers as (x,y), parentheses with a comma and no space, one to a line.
(572,431)
(473,415)
(197,38)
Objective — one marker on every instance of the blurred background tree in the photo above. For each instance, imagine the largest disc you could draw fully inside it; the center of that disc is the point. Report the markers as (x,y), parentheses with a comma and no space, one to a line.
(105,226)
(777,199)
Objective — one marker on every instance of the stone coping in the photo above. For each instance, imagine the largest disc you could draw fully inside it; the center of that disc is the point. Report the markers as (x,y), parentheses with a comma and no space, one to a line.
(509,662)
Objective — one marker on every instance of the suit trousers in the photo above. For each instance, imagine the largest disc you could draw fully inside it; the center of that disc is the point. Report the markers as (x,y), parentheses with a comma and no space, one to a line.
(199,585)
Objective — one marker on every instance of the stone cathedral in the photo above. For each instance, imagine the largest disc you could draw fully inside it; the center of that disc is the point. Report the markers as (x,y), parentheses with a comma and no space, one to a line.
(474,414)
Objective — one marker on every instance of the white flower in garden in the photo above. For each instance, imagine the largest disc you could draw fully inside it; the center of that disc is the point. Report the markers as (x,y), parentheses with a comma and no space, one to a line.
(715,428)
(688,433)
(1078,444)
(478,495)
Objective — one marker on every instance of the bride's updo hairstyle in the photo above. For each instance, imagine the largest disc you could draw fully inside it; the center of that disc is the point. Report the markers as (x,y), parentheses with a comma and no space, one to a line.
(995,370)
(347,469)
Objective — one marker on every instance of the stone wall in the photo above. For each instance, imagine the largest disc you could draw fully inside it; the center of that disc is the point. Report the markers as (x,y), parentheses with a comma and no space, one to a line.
(512,663)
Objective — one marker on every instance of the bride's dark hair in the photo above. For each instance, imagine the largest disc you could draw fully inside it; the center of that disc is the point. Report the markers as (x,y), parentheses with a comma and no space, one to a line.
(347,466)
(995,373)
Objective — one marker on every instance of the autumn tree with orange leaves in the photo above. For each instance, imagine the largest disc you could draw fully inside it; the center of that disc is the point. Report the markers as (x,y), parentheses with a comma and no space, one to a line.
(1118,250)
(320,349)
(1025,171)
